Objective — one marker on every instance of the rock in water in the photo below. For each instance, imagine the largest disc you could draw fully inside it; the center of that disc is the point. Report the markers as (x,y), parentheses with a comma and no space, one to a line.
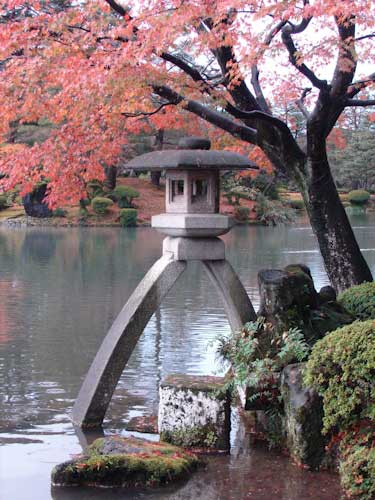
(117,461)
(303,418)
(194,412)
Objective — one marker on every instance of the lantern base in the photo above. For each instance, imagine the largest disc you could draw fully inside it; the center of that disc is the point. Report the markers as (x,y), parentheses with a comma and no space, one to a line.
(192,225)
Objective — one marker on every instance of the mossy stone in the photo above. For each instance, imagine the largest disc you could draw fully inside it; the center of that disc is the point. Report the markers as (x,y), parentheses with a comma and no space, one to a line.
(117,461)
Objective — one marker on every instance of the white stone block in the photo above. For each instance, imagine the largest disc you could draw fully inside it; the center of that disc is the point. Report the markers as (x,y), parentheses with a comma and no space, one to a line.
(194,412)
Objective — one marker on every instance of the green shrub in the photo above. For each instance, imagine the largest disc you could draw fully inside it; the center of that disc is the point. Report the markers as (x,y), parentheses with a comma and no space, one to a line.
(264,183)
(242,213)
(125,195)
(359,197)
(257,354)
(59,212)
(271,212)
(3,201)
(297,204)
(359,301)
(101,205)
(95,188)
(357,462)
(341,368)
(128,217)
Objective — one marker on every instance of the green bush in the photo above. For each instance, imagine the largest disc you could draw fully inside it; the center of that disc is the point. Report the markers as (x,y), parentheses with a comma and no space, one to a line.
(357,462)
(297,204)
(95,188)
(125,195)
(359,301)
(257,355)
(101,205)
(359,197)
(264,183)
(271,212)
(3,201)
(341,368)
(59,212)
(242,213)
(128,217)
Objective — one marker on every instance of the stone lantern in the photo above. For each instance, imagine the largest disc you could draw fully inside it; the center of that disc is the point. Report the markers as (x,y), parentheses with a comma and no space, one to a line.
(192,224)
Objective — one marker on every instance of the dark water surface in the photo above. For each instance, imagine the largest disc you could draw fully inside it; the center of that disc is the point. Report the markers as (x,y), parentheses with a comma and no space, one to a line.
(60,289)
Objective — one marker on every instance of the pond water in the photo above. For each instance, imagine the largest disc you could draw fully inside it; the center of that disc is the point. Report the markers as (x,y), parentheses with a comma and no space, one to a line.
(60,289)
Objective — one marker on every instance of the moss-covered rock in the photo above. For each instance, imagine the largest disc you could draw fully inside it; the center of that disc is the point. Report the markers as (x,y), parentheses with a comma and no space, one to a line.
(289,300)
(117,461)
(303,418)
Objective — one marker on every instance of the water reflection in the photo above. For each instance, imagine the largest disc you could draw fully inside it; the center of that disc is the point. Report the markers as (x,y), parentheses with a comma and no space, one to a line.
(60,289)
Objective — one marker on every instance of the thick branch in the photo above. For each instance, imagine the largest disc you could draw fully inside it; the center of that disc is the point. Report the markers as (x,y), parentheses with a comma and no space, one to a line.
(258,90)
(346,60)
(236,129)
(117,7)
(287,39)
(300,102)
(360,102)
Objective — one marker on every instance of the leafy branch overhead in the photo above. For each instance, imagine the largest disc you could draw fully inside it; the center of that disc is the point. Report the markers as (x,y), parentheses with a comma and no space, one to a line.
(100,71)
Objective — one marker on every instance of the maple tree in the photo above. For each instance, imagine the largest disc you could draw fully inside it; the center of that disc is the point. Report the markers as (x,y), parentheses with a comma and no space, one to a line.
(100,70)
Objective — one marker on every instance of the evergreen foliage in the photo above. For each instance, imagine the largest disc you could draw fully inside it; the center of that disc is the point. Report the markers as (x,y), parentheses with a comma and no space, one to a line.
(128,217)
(341,368)
(360,301)
(101,205)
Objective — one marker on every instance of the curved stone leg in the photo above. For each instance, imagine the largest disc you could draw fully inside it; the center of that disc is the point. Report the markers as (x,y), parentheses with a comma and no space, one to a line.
(101,380)
(237,304)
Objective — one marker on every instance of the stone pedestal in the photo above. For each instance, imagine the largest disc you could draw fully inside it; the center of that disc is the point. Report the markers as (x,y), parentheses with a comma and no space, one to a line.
(194,412)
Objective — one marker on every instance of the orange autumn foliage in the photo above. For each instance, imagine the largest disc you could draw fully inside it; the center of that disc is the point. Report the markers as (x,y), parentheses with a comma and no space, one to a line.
(91,70)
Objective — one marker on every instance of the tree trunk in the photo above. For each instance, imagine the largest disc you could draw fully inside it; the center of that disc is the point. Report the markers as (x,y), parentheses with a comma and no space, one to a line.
(159,140)
(110,177)
(343,260)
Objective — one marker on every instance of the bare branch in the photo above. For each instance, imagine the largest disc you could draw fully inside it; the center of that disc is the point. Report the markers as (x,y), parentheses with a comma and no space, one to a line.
(300,102)
(149,113)
(363,37)
(117,7)
(360,102)
(355,87)
(286,35)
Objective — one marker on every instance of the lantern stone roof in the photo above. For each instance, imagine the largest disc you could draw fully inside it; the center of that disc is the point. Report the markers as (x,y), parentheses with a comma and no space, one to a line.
(187,159)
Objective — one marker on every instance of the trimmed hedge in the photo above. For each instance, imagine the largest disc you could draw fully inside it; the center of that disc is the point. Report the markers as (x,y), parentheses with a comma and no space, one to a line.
(341,368)
(128,217)
(242,213)
(359,301)
(101,205)
(3,201)
(125,195)
(359,197)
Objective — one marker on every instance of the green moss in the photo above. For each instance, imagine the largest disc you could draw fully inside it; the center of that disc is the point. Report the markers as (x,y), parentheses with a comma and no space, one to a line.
(341,369)
(360,301)
(193,437)
(130,462)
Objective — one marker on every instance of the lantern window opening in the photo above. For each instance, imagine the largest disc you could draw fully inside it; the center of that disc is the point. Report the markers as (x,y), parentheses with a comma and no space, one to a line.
(177,189)
(199,190)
